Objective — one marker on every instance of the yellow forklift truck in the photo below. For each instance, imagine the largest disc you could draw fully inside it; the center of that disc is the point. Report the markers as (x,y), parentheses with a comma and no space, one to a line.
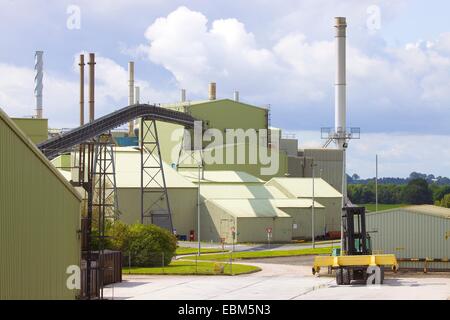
(355,261)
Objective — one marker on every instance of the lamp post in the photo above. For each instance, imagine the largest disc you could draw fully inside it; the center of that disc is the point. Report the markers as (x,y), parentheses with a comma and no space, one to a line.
(198,210)
(376,182)
(312,207)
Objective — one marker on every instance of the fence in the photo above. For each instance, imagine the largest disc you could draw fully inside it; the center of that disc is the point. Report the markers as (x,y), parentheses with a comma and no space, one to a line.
(106,268)
(159,263)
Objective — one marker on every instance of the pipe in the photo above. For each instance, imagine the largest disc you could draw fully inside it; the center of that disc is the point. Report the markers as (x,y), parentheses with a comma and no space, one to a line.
(91,64)
(236,96)
(131,95)
(81,64)
(183,95)
(212,91)
(38,86)
(340,84)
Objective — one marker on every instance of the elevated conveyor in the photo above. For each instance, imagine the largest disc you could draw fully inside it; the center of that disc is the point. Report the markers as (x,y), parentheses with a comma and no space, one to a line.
(52,147)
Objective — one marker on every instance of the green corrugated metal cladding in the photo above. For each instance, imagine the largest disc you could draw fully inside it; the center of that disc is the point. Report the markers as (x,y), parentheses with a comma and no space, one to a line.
(39,220)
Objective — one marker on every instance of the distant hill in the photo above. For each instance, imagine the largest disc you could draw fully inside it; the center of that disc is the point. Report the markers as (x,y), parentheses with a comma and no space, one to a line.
(430,178)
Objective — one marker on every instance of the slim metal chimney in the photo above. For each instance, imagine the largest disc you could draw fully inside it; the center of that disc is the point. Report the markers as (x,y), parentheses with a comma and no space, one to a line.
(91,64)
(340,85)
(131,94)
(236,96)
(212,91)
(81,64)
(137,95)
(183,95)
(39,69)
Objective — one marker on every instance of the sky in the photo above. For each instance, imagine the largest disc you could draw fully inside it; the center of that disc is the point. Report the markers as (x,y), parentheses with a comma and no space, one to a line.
(274,52)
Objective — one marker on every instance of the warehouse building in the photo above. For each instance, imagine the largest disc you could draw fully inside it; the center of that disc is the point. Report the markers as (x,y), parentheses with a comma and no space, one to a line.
(39,221)
(414,232)
(324,193)
(237,201)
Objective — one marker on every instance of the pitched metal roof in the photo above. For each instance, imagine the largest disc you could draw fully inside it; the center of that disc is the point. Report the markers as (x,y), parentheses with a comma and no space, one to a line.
(128,171)
(249,208)
(302,187)
(420,209)
(220,176)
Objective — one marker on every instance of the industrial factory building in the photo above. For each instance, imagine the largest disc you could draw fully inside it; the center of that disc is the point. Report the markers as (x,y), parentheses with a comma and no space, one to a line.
(39,221)
(414,234)
(324,193)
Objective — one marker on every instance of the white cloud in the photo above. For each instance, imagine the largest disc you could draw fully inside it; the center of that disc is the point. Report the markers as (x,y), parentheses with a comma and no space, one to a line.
(399,153)
(61,94)
(297,71)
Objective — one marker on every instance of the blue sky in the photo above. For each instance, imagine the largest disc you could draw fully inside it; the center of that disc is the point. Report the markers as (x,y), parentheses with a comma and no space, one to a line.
(274,52)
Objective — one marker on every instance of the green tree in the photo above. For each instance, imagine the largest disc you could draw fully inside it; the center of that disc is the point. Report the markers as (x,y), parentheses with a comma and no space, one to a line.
(417,192)
(445,202)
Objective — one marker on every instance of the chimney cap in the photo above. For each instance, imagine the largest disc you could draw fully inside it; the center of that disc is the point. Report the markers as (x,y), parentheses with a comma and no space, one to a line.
(340,21)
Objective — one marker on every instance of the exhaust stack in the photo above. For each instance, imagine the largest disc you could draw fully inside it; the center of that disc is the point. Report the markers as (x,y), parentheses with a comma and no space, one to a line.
(183,95)
(91,64)
(236,96)
(131,94)
(81,64)
(38,86)
(137,95)
(212,91)
(340,85)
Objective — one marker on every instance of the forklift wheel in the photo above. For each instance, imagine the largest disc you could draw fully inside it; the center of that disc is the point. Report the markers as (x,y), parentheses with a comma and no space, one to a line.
(339,280)
(346,279)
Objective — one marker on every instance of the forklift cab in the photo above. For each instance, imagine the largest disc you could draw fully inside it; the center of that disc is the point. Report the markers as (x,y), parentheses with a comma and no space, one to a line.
(356,239)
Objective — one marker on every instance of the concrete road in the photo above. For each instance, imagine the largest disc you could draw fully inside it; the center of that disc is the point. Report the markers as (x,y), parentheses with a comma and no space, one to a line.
(258,247)
(280,279)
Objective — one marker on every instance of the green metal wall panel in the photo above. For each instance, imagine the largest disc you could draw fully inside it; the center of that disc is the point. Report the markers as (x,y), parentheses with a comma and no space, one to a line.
(39,220)
(221,115)
(410,235)
(183,204)
(35,129)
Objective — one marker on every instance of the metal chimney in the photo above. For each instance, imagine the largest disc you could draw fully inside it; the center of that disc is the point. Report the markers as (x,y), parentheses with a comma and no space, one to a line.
(81,64)
(183,95)
(340,85)
(137,95)
(212,91)
(131,94)
(91,64)
(39,69)
(236,96)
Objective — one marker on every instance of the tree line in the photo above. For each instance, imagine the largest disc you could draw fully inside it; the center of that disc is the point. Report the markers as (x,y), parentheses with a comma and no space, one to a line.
(415,191)
(430,178)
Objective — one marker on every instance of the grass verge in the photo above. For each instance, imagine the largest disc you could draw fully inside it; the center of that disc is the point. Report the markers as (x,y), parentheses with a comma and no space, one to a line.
(262,254)
(184,250)
(189,268)
(370,207)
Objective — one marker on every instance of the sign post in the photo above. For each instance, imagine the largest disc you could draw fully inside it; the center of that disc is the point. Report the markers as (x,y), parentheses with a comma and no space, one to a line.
(269,236)
(233,234)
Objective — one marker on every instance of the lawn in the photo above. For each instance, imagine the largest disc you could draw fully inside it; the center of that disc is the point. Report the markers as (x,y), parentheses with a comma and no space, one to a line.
(370,207)
(185,250)
(262,254)
(189,268)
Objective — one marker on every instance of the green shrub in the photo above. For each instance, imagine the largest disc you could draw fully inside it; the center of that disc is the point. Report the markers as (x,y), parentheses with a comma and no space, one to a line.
(148,245)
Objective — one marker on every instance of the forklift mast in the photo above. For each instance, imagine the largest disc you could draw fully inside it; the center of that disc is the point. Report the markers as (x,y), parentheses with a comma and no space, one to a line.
(356,239)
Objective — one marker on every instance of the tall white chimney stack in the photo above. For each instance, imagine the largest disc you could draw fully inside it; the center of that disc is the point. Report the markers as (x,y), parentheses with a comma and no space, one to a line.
(183,95)
(131,95)
(39,69)
(340,85)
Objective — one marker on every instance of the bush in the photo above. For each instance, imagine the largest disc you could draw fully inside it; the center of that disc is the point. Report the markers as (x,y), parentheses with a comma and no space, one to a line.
(148,245)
